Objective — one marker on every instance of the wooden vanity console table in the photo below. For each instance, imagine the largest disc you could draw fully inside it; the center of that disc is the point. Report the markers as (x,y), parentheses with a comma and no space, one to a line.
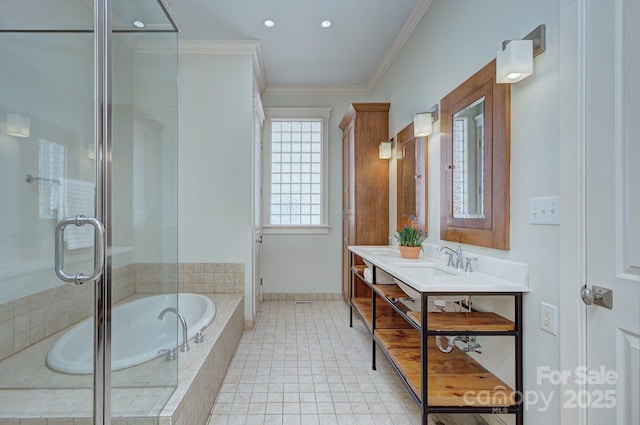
(454,382)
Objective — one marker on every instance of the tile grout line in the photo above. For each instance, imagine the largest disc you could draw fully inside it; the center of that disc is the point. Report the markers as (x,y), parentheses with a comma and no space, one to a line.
(302,364)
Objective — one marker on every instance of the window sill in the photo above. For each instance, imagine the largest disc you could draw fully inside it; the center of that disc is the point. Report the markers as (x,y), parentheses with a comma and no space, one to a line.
(295,230)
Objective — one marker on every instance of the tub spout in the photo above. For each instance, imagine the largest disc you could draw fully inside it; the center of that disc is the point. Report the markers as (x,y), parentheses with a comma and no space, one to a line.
(185,338)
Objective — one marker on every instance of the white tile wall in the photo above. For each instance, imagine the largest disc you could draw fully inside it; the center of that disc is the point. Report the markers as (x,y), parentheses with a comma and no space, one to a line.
(28,320)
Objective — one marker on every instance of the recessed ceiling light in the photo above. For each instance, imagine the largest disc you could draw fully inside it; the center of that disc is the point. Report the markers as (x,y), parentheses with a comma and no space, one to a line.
(326,24)
(269,23)
(138,24)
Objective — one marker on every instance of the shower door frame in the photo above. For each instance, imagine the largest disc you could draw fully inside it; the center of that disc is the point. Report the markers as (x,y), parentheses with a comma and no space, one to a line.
(103,142)
(104,177)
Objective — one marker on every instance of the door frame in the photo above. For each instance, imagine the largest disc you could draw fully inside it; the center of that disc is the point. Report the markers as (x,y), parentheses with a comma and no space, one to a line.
(258,124)
(103,179)
(572,72)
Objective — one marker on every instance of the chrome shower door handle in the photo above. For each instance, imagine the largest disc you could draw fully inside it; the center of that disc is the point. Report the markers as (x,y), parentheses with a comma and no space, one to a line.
(98,249)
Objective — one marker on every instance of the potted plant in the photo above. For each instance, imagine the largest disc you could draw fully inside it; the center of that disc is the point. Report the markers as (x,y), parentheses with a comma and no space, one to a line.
(410,240)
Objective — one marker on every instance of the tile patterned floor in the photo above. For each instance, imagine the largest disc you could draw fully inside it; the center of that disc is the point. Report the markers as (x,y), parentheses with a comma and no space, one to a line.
(303,365)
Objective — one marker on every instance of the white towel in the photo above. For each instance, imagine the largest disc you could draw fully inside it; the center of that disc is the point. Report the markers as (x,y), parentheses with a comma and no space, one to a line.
(78,197)
(368,275)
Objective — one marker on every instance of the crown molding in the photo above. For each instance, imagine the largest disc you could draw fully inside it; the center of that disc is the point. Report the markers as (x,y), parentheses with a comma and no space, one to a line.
(404,34)
(229,47)
(258,68)
(329,90)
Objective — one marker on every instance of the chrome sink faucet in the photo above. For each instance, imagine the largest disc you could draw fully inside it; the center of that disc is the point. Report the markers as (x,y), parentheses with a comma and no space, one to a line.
(185,338)
(467,267)
(455,257)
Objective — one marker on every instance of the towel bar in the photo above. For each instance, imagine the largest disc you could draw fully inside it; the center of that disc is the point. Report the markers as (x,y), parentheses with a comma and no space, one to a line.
(29,178)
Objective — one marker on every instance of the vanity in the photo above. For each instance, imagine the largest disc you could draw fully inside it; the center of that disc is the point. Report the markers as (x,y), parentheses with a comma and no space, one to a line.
(429,320)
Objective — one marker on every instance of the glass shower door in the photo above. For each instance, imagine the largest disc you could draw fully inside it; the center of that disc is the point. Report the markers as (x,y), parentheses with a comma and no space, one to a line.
(48,173)
(144,199)
(91,132)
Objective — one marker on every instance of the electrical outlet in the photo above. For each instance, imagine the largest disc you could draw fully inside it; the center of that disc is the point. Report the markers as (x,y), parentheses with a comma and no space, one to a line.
(549,318)
(544,210)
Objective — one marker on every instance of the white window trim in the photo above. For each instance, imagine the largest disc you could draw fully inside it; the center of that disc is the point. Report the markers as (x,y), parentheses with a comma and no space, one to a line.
(295,113)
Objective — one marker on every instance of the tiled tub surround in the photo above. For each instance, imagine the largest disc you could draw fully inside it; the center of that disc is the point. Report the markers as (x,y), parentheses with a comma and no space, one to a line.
(200,375)
(197,278)
(30,319)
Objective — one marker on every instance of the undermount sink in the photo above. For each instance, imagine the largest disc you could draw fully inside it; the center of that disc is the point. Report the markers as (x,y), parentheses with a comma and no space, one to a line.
(427,269)
(381,250)
(408,290)
(416,305)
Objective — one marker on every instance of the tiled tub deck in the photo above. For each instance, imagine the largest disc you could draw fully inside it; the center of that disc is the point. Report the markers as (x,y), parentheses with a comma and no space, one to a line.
(139,394)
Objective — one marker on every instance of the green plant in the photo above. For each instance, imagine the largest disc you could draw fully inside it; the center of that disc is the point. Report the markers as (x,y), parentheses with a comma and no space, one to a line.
(410,236)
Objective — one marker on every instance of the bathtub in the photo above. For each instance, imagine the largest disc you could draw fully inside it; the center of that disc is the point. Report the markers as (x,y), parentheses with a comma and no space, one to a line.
(137,335)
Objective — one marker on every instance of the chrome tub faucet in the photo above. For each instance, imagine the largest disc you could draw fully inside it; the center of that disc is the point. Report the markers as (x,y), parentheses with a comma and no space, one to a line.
(185,338)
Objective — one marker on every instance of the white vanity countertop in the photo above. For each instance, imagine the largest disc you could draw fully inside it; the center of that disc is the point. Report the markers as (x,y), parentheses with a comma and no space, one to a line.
(428,274)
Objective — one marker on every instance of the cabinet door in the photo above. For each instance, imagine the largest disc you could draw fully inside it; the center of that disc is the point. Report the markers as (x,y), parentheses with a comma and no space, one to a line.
(347,237)
(348,172)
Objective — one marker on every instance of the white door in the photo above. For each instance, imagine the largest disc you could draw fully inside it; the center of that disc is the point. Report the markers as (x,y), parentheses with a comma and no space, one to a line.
(258,121)
(612,134)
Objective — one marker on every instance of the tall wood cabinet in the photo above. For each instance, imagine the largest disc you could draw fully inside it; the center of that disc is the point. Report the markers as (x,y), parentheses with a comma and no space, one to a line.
(365,180)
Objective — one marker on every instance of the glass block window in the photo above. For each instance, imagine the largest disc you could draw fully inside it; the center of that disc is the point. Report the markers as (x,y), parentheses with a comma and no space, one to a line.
(296,195)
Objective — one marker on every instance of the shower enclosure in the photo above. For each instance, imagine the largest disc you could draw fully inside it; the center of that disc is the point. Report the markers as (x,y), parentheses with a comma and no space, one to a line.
(88,199)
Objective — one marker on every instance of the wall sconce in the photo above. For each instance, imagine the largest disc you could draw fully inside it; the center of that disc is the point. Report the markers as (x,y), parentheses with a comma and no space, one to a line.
(423,122)
(18,125)
(514,61)
(384,151)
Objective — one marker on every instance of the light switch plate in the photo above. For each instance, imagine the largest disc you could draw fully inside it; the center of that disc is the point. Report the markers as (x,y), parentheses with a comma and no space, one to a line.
(544,210)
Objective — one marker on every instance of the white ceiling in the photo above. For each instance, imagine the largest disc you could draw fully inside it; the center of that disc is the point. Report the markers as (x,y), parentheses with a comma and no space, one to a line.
(353,53)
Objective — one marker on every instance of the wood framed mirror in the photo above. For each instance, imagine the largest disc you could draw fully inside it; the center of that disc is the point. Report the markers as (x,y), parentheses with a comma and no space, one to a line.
(475,128)
(412,160)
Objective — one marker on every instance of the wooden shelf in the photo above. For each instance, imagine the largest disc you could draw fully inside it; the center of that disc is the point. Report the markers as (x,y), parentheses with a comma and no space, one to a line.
(416,316)
(398,338)
(389,291)
(359,269)
(454,379)
(464,321)
(387,318)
